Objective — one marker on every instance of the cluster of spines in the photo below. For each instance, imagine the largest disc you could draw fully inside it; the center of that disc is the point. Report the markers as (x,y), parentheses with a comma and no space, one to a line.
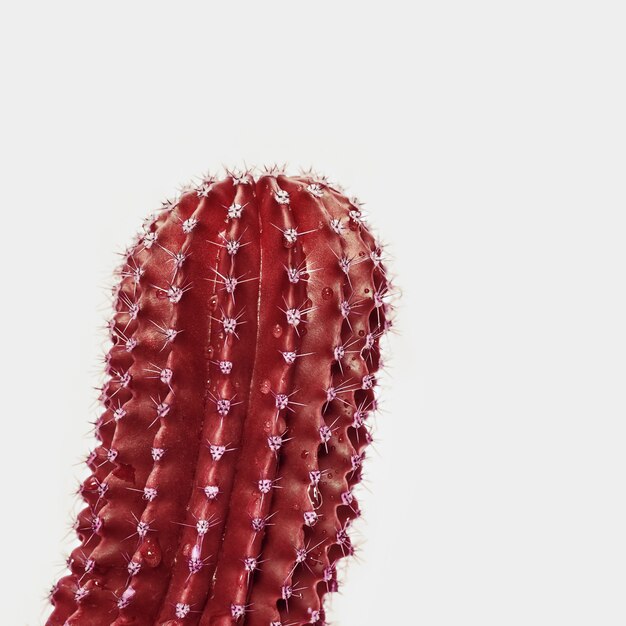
(234,423)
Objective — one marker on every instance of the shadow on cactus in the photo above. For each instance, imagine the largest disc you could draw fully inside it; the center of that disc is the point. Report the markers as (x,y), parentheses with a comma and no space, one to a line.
(245,343)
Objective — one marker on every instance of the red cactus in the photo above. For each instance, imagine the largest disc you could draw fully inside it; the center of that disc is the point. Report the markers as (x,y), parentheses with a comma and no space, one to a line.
(245,342)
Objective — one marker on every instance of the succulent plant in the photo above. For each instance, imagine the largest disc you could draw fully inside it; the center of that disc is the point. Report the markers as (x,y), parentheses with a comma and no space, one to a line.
(241,375)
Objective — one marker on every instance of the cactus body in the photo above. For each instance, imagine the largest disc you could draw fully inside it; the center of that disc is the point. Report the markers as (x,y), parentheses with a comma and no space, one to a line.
(245,339)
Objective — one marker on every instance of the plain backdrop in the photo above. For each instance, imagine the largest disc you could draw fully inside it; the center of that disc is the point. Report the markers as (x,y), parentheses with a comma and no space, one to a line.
(488,140)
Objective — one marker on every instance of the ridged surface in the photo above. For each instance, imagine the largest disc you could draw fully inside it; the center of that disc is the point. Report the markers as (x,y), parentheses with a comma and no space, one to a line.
(245,342)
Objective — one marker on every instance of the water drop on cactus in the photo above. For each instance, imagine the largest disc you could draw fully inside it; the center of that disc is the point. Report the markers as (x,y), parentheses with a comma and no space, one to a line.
(151,552)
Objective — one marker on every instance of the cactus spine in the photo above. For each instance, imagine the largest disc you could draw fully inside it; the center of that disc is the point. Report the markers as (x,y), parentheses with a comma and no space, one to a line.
(245,341)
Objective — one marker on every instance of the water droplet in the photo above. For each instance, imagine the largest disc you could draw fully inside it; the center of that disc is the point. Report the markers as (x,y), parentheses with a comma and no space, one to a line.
(91,484)
(264,387)
(277,331)
(361,333)
(361,253)
(209,352)
(304,454)
(151,552)
(330,474)
(213,302)
(161,295)
(315,497)
(367,290)
(327,293)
